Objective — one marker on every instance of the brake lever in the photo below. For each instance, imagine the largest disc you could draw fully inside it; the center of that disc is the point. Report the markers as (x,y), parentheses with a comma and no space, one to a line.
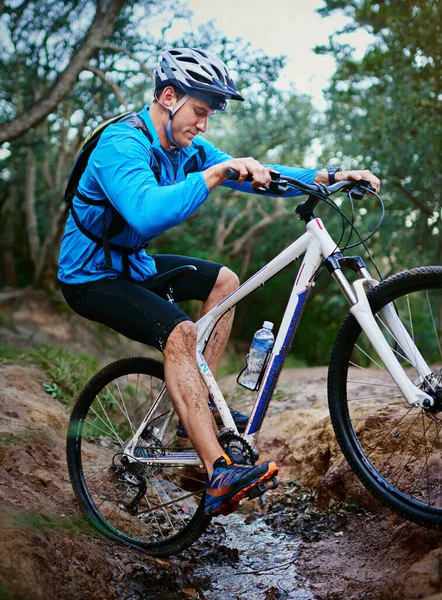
(360,189)
(276,186)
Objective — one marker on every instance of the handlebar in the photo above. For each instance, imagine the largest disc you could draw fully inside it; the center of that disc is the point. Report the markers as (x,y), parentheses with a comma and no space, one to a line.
(316,191)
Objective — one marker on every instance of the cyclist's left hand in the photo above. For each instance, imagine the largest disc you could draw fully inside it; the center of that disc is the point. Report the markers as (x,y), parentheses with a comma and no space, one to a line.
(357,176)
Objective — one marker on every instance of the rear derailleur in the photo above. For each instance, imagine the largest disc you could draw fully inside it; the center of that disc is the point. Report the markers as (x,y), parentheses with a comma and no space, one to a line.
(134,481)
(136,472)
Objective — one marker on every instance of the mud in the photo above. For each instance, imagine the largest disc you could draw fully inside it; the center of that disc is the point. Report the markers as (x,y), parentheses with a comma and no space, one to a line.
(321,536)
(263,563)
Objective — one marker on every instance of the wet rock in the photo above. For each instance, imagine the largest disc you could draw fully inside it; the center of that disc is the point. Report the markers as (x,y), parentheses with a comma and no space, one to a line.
(421,580)
(275,593)
(340,485)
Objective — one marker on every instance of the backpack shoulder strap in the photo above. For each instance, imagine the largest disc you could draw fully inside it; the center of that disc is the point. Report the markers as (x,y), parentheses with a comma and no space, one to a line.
(84,153)
(197,161)
(155,163)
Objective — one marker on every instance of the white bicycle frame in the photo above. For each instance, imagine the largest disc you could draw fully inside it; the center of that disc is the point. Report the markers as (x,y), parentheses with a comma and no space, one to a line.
(316,244)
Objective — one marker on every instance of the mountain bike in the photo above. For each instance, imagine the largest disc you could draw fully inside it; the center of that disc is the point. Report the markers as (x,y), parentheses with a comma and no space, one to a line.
(140,484)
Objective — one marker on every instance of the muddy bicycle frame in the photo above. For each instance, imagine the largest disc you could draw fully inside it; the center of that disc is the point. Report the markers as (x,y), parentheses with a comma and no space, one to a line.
(316,245)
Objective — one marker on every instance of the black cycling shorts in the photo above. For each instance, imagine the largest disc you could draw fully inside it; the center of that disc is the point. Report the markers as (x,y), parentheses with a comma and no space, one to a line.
(137,313)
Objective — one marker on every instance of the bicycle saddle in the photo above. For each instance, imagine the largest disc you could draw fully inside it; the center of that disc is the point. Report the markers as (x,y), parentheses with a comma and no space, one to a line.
(166,281)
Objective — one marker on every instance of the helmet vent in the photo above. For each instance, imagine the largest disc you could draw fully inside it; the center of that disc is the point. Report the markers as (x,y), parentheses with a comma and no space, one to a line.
(198,77)
(219,74)
(188,59)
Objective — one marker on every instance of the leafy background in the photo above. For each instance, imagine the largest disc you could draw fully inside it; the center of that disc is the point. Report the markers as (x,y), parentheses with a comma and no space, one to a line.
(64,67)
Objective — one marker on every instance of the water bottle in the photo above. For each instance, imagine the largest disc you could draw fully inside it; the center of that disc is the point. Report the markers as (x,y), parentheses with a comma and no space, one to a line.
(261,347)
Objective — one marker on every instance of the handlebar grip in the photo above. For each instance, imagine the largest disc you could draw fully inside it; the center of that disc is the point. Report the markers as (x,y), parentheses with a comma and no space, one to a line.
(232,174)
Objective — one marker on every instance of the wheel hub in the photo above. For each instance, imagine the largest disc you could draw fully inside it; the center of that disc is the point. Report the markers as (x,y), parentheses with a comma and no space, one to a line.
(433,387)
(148,446)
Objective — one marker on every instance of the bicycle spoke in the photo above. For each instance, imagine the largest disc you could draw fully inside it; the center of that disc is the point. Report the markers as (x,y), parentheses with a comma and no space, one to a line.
(146,502)
(375,397)
(123,410)
(375,375)
(389,385)
(372,360)
(87,477)
(174,505)
(395,447)
(434,324)
(409,461)
(108,420)
(411,347)
(92,424)
(162,504)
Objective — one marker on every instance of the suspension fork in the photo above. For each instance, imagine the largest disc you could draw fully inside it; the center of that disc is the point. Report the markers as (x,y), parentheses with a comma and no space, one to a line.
(361,310)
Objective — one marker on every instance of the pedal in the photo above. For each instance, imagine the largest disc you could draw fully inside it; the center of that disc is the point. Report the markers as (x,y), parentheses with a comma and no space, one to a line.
(261,488)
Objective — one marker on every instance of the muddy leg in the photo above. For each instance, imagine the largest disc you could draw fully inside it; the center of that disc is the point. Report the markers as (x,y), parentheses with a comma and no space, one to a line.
(188,392)
(225,284)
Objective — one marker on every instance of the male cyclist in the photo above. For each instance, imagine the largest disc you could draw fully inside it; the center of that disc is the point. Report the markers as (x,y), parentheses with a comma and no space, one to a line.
(155,173)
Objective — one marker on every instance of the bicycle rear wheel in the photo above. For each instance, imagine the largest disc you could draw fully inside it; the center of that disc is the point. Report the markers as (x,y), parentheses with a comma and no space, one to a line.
(156,507)
(395,449)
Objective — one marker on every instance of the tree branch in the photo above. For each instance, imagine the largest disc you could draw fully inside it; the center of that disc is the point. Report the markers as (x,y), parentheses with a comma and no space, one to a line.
(246,239)
(100,29)
(16,293)
(246,261)
(4,197)
(222,230)
(120,50)
(424,209)
(47,176)
(114,87)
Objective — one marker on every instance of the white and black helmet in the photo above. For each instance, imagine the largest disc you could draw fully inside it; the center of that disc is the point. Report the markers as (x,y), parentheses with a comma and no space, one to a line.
(198,73)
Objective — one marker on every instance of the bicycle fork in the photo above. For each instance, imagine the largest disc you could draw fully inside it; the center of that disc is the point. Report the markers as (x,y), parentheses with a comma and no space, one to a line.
(361,310)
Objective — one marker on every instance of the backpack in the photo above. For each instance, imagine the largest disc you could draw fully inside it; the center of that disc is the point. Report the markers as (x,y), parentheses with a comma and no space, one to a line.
(117,223)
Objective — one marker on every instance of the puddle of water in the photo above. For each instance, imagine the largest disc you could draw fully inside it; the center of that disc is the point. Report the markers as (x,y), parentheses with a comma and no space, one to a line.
(265,561)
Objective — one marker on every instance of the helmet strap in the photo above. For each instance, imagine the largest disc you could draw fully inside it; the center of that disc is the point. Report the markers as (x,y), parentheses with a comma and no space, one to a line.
(172,112)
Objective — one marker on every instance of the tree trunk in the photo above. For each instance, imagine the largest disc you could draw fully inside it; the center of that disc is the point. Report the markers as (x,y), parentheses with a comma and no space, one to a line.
(8,256)
(100,29)
(31,217)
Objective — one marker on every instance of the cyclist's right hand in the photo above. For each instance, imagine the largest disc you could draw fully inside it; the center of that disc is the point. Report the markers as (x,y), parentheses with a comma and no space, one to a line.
(245,166)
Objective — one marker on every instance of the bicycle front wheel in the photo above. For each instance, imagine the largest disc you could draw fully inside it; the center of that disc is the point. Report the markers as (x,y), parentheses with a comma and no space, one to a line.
(395,449)
(154,502)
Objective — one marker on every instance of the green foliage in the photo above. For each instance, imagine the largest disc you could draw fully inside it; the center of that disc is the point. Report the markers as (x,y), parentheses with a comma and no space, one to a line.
(20,438)
(49,522)
(53,390)
(66,371)
(34,50)
(385,115)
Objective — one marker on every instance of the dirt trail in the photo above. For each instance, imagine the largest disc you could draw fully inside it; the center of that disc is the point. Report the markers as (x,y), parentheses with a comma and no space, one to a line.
(48,553)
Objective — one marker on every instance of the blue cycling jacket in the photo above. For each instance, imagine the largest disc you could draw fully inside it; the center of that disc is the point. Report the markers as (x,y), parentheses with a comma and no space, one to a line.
(119,169)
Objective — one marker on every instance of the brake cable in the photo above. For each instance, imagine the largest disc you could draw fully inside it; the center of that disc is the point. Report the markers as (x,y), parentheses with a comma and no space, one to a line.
(353,229)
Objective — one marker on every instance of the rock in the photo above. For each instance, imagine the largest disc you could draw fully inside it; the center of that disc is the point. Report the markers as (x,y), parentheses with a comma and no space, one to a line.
(421,580)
